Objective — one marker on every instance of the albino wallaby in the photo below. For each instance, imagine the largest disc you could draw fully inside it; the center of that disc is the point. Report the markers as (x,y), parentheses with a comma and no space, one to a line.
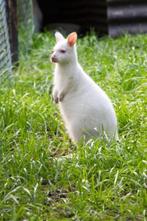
(86,109)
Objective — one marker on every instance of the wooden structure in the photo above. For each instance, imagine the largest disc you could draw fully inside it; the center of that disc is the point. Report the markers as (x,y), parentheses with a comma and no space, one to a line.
(13,28)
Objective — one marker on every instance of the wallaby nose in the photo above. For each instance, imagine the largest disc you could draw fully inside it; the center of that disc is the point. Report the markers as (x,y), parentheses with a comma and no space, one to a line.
(54,59)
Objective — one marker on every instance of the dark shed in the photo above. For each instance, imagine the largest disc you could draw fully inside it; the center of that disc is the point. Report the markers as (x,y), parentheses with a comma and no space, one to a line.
(83,14)
(126,16)
(113,17)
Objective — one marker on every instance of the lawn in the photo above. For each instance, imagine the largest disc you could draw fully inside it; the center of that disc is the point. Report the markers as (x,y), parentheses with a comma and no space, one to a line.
(101,181)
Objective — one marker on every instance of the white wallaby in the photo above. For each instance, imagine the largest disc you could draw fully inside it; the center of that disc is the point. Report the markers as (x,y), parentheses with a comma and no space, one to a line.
(85,108)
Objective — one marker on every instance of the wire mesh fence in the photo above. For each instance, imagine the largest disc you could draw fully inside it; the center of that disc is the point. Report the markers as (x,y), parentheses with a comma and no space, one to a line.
(5,54)
(16,30)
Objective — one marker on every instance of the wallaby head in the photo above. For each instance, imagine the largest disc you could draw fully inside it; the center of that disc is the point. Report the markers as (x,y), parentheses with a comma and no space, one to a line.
(64,51)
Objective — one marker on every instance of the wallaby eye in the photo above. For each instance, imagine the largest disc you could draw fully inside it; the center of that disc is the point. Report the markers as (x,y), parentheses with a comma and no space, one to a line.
(62,51)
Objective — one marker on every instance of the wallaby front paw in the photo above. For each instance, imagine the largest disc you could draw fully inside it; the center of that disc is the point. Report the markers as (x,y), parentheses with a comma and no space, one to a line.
(56,100)
(60,98)
(55,96)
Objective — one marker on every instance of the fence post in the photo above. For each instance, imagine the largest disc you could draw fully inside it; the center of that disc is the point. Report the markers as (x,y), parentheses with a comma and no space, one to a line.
(13,28)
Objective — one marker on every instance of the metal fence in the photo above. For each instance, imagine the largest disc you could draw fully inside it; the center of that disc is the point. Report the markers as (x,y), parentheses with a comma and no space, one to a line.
(16,30)
(5,54)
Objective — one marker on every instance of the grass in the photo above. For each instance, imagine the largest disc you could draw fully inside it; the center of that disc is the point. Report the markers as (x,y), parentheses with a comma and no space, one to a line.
(101,181)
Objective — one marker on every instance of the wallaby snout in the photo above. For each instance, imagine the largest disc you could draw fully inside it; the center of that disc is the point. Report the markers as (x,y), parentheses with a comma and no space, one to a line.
(54,59)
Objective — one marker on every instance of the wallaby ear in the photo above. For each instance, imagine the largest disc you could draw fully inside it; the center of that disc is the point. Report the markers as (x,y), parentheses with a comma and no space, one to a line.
(72,38)
(58,36)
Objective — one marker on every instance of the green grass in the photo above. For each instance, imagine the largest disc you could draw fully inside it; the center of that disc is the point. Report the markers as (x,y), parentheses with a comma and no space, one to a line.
(101,181)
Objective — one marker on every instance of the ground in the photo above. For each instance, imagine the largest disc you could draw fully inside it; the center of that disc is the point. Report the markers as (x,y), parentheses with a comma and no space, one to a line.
(100,181)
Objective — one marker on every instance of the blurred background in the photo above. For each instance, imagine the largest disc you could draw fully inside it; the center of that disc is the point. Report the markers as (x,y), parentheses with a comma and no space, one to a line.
(20,19)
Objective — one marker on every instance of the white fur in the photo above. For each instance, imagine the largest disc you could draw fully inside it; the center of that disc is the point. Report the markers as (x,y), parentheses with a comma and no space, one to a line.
(85,108)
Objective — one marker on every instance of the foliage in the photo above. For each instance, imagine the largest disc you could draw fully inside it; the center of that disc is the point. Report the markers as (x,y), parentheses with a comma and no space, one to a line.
(99,181)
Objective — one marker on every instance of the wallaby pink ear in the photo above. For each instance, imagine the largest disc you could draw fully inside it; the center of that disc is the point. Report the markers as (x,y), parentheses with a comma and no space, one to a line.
(59,36)
(72,38)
